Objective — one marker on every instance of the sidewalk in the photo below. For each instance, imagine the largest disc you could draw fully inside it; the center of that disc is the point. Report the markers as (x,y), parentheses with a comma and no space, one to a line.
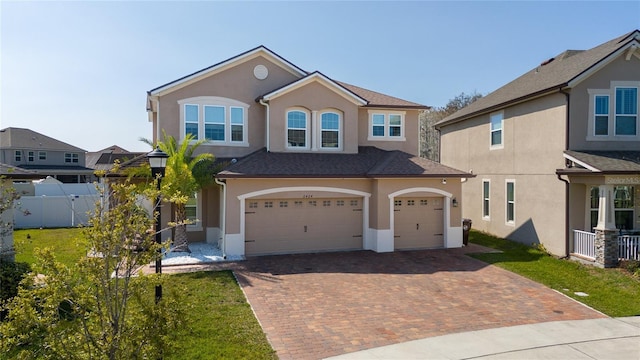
(610,338)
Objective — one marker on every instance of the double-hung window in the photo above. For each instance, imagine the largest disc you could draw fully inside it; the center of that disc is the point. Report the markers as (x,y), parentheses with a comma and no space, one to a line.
(511,202)
(217,120)
(297,131)
(330,130)
(613,112)
(601,115)
(486,187)
(17,155)
(626,116)
(42,155)
(214,121)
(386,125)
(191,120)
(31,156)
(496,130)
(71,158)
(192,209)
(624,205)
(237,124)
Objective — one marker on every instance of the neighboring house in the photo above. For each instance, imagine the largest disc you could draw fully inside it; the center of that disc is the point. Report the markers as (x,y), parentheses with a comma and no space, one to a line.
(556,152)
(104,160)
(316,164)
(43,155)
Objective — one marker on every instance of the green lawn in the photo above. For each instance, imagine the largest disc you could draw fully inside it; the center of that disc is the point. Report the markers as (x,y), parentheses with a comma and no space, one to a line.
(611,291)
(67,244)
(220,323)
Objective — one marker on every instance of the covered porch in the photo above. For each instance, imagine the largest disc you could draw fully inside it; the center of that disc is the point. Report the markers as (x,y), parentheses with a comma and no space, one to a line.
(603,208)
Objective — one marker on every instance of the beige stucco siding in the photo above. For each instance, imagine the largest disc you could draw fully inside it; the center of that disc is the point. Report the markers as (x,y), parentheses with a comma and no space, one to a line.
(618,70)
(237,83)
(411,130)
(533,142)
(313,97)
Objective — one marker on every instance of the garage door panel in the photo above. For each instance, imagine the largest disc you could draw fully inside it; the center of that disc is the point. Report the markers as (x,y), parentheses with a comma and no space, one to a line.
(418,223)
(302,225)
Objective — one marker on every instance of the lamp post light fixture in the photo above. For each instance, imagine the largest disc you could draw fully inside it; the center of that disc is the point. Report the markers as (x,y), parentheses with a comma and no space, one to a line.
(158,162)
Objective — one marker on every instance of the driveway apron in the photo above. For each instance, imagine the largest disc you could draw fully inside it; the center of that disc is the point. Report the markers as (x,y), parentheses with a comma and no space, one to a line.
(313,306)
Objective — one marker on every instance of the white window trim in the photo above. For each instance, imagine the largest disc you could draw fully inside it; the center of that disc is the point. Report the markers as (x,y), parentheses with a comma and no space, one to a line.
(340,129)
(307,134)
(611,92)
(201,102)
(387,126)
(501,145)
(17,156)
(506,202)
(42,155)
(488,198)
(197,226)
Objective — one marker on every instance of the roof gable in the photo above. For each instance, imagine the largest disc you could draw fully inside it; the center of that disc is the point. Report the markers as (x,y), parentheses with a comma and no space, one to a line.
(322,79)
(565,70)
(20,138)
(226,64)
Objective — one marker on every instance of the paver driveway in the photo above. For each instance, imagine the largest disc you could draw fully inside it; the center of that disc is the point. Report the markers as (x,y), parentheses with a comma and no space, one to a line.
(318,305)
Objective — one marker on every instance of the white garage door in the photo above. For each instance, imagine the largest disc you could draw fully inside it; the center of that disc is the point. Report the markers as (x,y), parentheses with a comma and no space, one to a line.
(418,222)
(278,226)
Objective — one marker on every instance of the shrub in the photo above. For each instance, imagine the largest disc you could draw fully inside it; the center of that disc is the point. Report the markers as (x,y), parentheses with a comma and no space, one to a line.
(11,273)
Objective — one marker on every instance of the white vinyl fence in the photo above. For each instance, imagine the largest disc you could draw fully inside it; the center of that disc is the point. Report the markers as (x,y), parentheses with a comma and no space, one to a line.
(54,211)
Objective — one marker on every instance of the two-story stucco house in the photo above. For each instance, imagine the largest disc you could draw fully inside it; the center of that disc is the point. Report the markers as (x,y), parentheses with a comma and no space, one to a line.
(315,164)
(43,155)
(556,152)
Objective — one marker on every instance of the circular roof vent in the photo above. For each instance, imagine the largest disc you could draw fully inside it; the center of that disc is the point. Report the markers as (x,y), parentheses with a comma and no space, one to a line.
(260,72)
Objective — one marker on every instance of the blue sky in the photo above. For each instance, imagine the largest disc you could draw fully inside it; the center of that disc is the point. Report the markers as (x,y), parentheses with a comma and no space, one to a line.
(79,71)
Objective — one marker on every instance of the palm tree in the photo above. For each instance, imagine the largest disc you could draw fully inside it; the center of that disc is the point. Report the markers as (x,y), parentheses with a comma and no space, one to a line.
(184,176)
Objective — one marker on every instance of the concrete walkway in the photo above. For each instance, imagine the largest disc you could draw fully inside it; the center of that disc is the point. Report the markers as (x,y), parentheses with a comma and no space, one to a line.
(603,339)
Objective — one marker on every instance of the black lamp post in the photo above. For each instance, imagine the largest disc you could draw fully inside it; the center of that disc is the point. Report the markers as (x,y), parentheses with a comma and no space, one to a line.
(158,161)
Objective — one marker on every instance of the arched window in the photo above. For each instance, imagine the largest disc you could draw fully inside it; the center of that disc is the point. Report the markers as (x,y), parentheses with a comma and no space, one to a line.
(330,130)
(297,129)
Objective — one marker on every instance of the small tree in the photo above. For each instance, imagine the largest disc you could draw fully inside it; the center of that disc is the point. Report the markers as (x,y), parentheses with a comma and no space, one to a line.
(96,309)
(8,197)
(429,136)
(186,174)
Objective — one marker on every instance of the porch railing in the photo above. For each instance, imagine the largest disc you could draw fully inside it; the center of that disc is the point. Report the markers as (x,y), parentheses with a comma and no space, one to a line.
(584,244)
(629,247)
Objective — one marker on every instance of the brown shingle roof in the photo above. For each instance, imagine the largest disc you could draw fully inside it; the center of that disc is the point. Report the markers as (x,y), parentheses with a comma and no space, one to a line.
(612,162)
(554,75)
(377,99)
(368,162)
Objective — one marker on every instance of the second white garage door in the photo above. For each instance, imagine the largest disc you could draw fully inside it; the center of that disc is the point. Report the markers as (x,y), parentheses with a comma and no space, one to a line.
(418,223)
(279,226)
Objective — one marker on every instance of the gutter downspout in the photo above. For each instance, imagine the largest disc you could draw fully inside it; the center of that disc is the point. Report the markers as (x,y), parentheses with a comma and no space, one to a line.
(567,237)
(223,219)
(268,139)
